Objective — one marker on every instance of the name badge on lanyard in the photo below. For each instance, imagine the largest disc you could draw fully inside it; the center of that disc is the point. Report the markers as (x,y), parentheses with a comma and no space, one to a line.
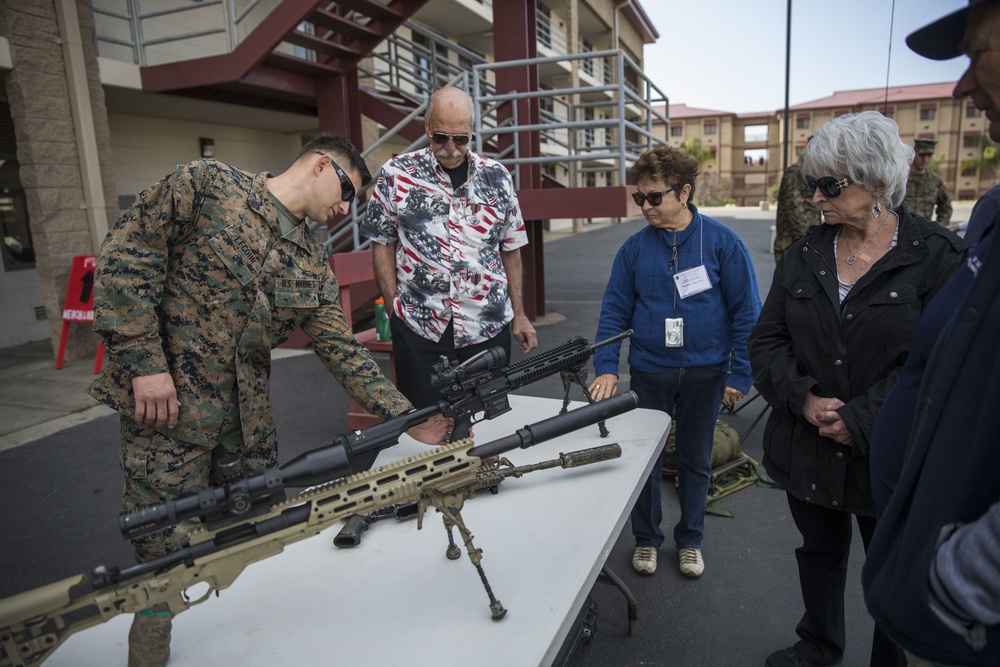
(692,281)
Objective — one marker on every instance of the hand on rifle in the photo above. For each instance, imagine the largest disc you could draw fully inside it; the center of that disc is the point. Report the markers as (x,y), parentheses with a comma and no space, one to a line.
(435,431)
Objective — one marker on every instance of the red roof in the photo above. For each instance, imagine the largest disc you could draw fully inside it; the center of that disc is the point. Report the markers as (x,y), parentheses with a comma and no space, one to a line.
(684,111)
(854,98)
(840,99)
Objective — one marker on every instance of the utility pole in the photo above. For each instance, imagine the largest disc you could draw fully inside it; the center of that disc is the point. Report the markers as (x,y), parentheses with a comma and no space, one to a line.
(788,76)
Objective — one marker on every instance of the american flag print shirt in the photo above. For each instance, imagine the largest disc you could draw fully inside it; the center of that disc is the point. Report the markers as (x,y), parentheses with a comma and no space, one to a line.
(448,243)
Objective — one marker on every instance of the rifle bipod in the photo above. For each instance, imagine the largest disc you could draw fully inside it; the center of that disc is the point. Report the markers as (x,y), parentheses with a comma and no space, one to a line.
(578,377)
(450,507)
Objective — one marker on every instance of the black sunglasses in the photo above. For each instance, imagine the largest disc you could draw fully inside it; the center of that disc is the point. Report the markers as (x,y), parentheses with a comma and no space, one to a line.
(655,198)
(442,138)
(828,185)
(346,186)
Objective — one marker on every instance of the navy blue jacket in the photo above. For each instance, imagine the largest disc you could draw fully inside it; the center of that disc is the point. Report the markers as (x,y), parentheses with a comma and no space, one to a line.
(641,294)
(950,475)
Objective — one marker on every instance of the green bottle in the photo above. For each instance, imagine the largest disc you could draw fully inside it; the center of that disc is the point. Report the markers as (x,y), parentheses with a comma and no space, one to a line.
(382,332)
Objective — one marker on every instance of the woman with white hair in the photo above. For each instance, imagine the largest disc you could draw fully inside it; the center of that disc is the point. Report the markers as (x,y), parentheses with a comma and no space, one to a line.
(833,334)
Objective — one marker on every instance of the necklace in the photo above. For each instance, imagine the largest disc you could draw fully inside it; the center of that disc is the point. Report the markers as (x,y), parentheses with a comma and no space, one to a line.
(853,256)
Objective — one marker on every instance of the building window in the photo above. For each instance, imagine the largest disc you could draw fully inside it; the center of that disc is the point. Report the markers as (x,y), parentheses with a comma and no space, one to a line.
(755,157)
(928,113)
(888,112)
(971,111)
(970,141)
(588,133)
(754,133)
(17,249)
(544,26)
(802,122)
(546,110)
(966,194)
(587,64)
(711,127)
(841,112)
(676,130)
(969,171)
(422,64)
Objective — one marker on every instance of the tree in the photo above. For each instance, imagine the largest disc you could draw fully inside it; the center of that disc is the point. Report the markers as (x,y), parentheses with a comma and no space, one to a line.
(694,148)
(988,159)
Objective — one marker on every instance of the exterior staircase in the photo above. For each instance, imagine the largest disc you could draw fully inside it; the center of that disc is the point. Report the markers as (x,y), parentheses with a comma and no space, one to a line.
(332,39)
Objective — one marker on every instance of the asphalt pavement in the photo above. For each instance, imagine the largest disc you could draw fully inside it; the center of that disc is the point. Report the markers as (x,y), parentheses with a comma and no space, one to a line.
(60,484)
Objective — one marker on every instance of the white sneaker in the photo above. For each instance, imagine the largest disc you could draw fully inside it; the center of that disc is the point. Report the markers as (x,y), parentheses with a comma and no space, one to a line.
(644,560)
(691,562)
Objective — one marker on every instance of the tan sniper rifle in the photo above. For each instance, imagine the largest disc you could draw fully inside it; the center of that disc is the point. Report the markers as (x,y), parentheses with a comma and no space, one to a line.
(490,475)
(34,623)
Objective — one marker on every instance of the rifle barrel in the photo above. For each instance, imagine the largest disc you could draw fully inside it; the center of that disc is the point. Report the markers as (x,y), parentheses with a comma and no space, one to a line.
(560,425)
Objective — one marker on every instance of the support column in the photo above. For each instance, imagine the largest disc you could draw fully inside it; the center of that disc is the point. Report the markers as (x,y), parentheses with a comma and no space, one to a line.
(83,120)
(338,104)
(516,22)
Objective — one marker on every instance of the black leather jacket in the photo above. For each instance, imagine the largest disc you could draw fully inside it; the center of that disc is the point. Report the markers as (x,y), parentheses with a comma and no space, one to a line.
(806,340)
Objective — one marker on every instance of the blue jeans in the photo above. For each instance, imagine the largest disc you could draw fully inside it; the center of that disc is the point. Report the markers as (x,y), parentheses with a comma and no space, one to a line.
(693,398)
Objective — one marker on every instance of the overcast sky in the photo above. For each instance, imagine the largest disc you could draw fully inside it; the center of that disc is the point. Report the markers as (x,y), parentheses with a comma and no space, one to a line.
(729,55)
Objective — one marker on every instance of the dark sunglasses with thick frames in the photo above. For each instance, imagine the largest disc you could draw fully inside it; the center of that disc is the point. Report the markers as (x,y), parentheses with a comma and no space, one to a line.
(346,186)
(828,185)
(442,138)
(654,198)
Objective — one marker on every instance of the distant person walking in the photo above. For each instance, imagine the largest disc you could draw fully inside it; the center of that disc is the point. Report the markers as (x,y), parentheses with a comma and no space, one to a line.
(926,194)
(796,210)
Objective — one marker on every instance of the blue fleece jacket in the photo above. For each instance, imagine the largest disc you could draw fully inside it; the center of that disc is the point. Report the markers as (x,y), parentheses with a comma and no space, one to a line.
(641,294)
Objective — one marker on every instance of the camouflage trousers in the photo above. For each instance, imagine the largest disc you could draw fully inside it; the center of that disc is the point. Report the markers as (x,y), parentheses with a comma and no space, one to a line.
(158,467)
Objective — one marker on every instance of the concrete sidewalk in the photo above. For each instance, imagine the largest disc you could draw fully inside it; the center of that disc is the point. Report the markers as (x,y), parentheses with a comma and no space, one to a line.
(36,399)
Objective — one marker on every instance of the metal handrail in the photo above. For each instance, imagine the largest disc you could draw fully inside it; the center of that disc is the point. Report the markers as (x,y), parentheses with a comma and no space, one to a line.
(617,127)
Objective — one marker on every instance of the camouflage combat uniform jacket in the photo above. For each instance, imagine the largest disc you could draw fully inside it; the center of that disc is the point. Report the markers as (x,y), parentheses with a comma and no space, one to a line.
(924,193)
(796,210)
(196,280)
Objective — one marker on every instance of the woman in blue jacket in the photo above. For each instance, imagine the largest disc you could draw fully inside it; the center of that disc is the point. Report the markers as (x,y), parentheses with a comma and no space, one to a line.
(686,287)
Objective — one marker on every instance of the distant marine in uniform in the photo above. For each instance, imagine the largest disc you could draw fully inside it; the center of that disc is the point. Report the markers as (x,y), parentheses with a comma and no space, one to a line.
(796,210)
(925,192)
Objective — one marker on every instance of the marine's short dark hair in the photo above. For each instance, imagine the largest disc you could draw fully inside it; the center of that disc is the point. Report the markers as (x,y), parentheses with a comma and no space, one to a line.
(671,165)
(340,148)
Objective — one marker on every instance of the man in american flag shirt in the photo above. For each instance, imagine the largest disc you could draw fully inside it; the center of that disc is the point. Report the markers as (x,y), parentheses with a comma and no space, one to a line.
(446,233)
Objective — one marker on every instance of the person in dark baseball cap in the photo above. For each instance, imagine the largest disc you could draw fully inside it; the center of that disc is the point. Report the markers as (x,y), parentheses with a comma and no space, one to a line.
(925,146)
(942,40)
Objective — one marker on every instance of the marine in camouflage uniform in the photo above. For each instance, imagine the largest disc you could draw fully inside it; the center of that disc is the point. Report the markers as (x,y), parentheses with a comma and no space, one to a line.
(197,280)
(796,210)
(925,192)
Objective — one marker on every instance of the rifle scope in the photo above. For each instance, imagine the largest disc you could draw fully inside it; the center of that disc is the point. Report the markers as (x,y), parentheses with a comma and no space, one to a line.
(445,374)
